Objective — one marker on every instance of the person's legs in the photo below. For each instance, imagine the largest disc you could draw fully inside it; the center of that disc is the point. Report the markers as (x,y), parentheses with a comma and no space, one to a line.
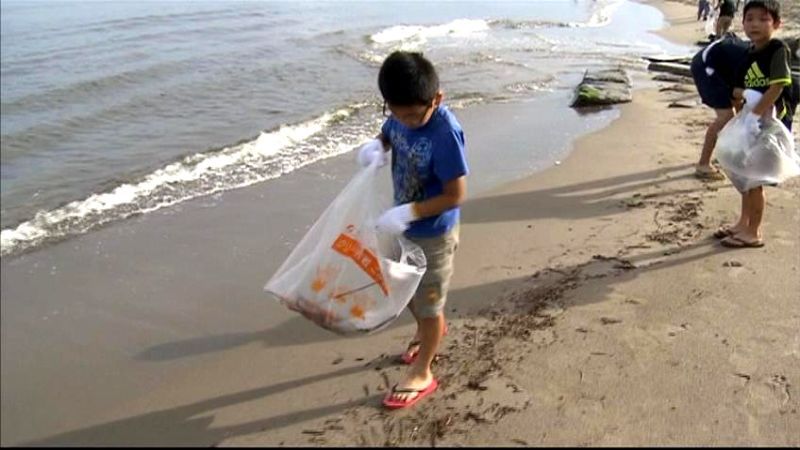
(756,202)
(419,374)
(704,167)
(413,346)
(412,350)
(750,236)
(744,216)
(723,25)
(740,225)
(428,309)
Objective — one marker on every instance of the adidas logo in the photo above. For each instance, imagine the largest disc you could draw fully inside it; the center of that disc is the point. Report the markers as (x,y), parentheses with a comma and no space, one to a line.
(755,77)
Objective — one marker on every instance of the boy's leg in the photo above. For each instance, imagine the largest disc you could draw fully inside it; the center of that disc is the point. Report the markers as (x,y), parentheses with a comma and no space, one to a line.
(704,167)
(744,219)
(753,202)
(741,225)
(428,308)
(723,24)
(430,337)
(412,351)
(756,201)
(744,215)
(726,25)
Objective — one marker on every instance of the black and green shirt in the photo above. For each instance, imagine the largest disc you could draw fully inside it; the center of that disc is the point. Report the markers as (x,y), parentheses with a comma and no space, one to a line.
(766,67)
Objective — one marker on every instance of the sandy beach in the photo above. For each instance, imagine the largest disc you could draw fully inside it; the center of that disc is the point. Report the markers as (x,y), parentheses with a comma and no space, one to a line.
(590,306)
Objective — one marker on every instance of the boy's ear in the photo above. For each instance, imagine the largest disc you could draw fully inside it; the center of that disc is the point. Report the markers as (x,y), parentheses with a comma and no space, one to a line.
(437,99)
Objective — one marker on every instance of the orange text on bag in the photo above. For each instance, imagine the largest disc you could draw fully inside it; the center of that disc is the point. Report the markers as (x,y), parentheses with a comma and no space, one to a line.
(363,257)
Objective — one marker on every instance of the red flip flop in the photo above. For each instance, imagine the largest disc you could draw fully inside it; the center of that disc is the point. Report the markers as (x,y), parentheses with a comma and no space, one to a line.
(396,404)
(410,356)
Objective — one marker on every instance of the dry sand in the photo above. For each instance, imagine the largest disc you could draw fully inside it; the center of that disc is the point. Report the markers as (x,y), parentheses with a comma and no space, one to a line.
(589,307)
(790,12)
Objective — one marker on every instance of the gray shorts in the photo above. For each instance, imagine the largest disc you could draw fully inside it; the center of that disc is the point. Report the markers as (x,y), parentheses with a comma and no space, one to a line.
(431,295)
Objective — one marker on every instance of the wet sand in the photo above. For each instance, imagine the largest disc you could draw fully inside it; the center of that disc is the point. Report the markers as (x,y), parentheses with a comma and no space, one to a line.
(111,325)
(589,307)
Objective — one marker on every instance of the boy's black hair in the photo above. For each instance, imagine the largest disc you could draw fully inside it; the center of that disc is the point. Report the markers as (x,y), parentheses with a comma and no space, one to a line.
(773,7)
(407,78)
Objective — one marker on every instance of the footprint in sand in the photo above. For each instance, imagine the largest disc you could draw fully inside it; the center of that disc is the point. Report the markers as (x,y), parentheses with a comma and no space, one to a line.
(783,238)
(675,330)
(768,395)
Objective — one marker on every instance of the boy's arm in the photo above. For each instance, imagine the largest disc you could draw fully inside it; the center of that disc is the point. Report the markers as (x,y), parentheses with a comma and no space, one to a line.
(764,105)
(453,194)
(396,220)
(779,78)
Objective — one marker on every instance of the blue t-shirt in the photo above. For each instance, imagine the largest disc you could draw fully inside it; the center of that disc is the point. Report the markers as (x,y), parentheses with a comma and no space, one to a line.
(424,159)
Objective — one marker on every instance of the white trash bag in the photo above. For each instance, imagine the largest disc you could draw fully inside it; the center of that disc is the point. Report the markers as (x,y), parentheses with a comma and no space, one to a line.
(751,160)
(344,275)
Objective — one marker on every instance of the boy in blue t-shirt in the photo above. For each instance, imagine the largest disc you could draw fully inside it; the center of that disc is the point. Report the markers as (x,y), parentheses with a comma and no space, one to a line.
(429,171)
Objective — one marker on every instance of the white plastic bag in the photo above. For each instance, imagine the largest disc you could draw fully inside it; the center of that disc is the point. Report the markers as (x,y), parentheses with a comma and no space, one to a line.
(751,160)
(343,275)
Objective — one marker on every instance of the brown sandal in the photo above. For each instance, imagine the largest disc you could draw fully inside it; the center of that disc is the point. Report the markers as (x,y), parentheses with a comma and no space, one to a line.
(706,174)
(735,242)
(723,232)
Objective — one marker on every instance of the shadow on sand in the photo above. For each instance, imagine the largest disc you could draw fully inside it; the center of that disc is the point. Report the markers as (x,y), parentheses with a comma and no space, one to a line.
(192,424)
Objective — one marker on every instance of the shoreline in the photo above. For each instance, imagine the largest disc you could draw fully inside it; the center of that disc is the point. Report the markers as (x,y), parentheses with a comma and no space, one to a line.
(584,299)
(225,162)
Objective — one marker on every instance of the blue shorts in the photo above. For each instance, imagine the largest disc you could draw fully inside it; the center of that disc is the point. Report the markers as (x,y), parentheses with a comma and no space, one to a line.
(712,89)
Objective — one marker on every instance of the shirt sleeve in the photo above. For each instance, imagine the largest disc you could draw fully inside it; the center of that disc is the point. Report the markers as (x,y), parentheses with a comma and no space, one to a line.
(779,72)
(449,161)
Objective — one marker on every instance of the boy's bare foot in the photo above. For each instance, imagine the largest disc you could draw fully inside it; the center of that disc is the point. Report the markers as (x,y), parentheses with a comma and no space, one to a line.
(411,352)
(409,388)
(410,355)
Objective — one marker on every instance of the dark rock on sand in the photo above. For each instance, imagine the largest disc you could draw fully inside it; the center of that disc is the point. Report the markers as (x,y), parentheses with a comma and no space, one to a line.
(603,87)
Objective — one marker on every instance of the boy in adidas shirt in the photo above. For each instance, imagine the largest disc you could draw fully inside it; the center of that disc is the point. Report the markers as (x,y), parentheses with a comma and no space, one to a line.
(766,70)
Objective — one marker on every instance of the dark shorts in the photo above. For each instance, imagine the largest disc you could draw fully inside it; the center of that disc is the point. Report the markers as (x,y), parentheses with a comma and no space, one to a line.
(712,89)
(793,102)
(727,10)
(787,120)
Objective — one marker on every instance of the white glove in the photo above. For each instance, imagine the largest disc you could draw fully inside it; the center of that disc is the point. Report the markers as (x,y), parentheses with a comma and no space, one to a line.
(752,123)
(396,220)
(371,151)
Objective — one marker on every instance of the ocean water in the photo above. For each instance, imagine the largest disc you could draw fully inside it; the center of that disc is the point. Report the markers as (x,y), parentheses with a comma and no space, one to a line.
(117,108)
